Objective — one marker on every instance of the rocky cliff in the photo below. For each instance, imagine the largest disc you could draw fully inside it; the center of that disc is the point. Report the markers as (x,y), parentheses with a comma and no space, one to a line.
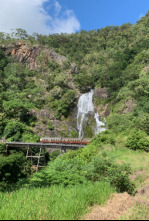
(25,53)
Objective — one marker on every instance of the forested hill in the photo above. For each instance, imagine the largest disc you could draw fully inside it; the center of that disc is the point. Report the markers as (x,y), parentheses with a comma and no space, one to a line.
(42,77)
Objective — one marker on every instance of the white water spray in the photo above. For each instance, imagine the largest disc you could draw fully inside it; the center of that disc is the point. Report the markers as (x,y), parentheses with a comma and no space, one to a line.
(85,105)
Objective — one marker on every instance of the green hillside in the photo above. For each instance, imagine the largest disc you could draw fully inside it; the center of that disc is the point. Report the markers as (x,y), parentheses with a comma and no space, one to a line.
(41,80)
(34,78)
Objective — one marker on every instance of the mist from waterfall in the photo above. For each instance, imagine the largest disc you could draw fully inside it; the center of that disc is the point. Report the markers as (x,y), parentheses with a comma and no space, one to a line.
(85,106)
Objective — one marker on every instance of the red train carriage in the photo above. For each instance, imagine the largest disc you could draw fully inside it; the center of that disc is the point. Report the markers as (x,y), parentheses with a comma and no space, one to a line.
(84,141)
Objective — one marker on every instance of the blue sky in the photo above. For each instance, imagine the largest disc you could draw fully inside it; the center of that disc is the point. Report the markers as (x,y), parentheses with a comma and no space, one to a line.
(94,14)
(68,16)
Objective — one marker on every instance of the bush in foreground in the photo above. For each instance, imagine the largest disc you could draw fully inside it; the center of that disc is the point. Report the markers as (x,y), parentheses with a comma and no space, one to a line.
(11,169)
(68,172)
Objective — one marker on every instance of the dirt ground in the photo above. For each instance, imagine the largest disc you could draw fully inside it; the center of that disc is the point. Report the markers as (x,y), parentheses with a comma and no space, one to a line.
(119,205)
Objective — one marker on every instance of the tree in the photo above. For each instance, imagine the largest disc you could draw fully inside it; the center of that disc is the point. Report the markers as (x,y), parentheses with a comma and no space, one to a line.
(21,34)
(16,109)
(14,130)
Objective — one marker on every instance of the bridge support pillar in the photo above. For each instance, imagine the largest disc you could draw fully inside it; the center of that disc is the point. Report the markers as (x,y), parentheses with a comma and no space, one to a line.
(38,159)
(63,150)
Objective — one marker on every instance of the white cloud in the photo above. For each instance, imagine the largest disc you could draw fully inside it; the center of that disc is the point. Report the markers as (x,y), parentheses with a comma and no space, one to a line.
(33,17)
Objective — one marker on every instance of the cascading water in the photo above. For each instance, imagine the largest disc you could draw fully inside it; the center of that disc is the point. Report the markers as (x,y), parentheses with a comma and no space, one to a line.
(85,106)
(99,124)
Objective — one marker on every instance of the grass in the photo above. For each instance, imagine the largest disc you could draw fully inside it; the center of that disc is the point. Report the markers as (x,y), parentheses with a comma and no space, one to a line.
(138,160)
(54,203)
(138,212)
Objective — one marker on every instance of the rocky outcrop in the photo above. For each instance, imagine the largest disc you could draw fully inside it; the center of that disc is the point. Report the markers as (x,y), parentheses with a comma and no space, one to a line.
(24,53)
(103,110)
(101,93)
(48,126)
(100,97)
(128,106)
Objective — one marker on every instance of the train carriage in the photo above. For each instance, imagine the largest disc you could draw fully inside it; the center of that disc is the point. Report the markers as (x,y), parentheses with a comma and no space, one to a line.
(65,140)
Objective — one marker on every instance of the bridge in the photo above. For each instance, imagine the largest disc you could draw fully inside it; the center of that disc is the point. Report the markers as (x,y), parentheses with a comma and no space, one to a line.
(38,159)
(45,145)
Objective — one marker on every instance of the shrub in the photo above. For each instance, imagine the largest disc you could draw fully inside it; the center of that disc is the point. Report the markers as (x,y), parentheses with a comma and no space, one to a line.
(104,138)
(137,140)
(74,134)
(11,169)
(118,176)
(59,172)
(68,172)
(100,169)
(2,148)
(50,126)
(29,137)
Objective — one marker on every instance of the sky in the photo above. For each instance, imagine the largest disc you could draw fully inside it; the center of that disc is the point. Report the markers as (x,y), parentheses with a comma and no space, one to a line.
(68,16)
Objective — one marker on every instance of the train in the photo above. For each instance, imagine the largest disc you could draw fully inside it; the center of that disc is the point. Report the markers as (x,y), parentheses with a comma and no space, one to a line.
(83,141)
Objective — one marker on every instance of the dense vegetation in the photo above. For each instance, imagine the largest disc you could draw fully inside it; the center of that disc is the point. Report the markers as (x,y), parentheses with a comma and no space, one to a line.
(83,166)
(115,58)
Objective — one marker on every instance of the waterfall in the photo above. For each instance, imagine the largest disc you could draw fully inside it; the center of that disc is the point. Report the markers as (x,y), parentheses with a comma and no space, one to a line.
(85,106)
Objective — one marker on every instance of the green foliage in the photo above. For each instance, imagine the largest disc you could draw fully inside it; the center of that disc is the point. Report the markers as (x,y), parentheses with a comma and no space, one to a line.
(11,169)
(119,123)
(79,167)
(15,76)
(104,138)
(89,131)
(53,65)
(144,123)
(100,169)
(74,134)
(14,130)
(3,62)
(54,155)
(60,80)
(50,126)
(2,148)
(20,33)
(63,103)
(84,81)
(54,203)
(111,57)
(16,109)
(59,173)
(29,137)
(137,140)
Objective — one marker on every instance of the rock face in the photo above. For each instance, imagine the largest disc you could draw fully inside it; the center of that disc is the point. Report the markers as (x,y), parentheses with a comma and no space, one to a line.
(101,93)
(128,106)
(59,128)
(103,110)
(24,53)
